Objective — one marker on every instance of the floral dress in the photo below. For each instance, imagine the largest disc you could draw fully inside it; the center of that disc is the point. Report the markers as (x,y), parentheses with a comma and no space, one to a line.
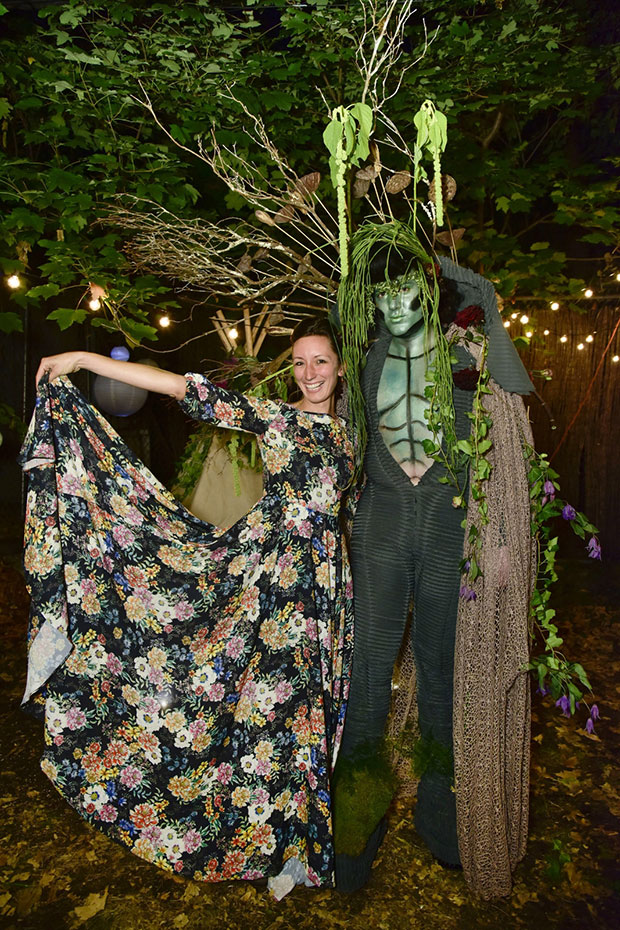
(193,679)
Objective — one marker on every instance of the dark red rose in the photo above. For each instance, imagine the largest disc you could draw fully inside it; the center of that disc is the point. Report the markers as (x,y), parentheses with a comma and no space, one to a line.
(466,379)
(469,316)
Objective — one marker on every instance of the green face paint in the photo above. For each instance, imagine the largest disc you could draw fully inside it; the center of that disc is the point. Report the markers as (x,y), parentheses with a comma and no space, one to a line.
(399,302)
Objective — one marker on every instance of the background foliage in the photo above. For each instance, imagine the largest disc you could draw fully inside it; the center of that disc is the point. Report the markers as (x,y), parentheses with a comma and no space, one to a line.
(527,86)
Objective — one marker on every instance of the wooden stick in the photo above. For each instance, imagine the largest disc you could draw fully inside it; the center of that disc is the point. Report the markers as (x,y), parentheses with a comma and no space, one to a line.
(249,342)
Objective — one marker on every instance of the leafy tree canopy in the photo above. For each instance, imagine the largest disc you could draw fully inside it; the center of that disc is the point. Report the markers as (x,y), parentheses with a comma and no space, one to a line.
(527,88)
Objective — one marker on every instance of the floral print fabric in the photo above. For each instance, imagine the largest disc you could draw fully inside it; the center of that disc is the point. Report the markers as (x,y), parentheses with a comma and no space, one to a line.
(198,715)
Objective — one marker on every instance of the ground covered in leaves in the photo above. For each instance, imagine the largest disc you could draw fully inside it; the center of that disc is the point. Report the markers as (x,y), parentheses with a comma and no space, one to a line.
(59,872)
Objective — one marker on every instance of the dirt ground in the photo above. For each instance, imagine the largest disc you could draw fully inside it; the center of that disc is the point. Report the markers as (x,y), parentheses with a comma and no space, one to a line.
(60,873)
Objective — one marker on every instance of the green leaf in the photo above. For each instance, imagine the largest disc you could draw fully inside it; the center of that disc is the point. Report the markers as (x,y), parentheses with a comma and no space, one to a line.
(67,316)
(137,331)
(11,322)
(43,290)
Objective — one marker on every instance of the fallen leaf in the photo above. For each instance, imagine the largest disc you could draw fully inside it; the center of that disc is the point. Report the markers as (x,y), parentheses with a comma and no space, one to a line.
(94,903)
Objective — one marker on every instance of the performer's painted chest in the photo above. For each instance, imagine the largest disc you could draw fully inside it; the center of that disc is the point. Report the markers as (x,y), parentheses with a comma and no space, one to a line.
(401,405)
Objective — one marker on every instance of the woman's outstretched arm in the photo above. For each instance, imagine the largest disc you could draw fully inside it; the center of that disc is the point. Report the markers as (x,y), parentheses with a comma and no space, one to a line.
(142,376)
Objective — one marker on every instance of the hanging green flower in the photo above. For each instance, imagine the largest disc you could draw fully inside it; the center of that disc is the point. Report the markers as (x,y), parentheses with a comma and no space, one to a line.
(347,137)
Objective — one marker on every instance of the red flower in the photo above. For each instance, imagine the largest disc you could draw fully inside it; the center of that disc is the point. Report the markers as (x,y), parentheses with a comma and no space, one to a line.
(469,316)
(466,379)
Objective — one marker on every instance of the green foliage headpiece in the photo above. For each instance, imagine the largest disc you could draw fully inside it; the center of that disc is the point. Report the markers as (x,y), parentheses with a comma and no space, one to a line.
(357,309)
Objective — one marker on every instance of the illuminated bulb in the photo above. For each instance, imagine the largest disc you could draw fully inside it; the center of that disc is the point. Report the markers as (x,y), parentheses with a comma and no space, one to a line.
(513,316)
(506,323)
(616,358)
(14,281)
(233,333)
(563,338)
(590,338)
(555,305)
(588,292)
(525,319)
(618,277)
(164,321)
(529,334)
(581,345)
(94,304)
(546,332)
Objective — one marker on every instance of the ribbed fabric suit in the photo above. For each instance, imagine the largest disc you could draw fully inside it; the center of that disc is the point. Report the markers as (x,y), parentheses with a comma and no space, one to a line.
(407,544)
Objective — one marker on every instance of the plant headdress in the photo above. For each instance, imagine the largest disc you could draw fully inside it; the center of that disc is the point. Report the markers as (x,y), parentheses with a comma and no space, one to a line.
(357,312)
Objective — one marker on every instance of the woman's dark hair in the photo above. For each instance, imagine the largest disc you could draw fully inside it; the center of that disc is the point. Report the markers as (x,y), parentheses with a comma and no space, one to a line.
(317,326)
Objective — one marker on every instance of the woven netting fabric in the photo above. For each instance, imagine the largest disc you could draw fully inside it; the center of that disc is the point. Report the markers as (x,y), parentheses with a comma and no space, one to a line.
(491,683)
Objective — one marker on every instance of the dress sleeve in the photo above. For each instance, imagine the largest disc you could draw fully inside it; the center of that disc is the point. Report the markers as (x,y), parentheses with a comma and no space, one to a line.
(205,401)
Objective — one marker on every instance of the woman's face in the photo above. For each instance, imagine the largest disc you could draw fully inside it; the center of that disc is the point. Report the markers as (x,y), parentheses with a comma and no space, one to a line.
(316,368)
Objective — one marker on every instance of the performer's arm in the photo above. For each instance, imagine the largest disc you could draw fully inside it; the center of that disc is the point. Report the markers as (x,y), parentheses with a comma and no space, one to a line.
(141,376)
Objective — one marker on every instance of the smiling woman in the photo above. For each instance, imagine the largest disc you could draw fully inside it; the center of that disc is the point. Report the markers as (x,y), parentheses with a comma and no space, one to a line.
(199,674)
(316,365)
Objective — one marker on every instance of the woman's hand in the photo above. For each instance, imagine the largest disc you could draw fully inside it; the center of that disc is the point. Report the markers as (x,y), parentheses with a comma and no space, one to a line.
(57,365)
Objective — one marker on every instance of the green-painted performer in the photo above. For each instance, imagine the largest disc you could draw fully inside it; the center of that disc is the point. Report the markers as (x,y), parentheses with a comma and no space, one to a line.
(407,547)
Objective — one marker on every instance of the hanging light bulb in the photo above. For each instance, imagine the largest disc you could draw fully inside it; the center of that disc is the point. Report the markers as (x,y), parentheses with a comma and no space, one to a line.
(581,346)
(563,338)
(546,333)
(513,316)
(232,332)
(529,334)
(525,319)
(615,358)
(588,292)
(555,305)
(14,282)
(164,321)
(506,323)
(618,277)
(94,304)
(589,338)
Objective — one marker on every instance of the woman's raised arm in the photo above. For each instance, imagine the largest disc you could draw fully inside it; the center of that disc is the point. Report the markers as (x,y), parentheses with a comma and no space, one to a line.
(142,376)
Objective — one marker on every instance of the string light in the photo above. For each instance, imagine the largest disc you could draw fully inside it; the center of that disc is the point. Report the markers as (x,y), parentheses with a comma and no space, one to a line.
(14,282)
(529,334)
(94,304)
(590,338)
(524,319)
(581,346)
(506,323)
(588,292)
(233,333)
(164,321)
(563,338)
(616,358)
(546,332)
(618,277)
(513,316)
(555,305)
